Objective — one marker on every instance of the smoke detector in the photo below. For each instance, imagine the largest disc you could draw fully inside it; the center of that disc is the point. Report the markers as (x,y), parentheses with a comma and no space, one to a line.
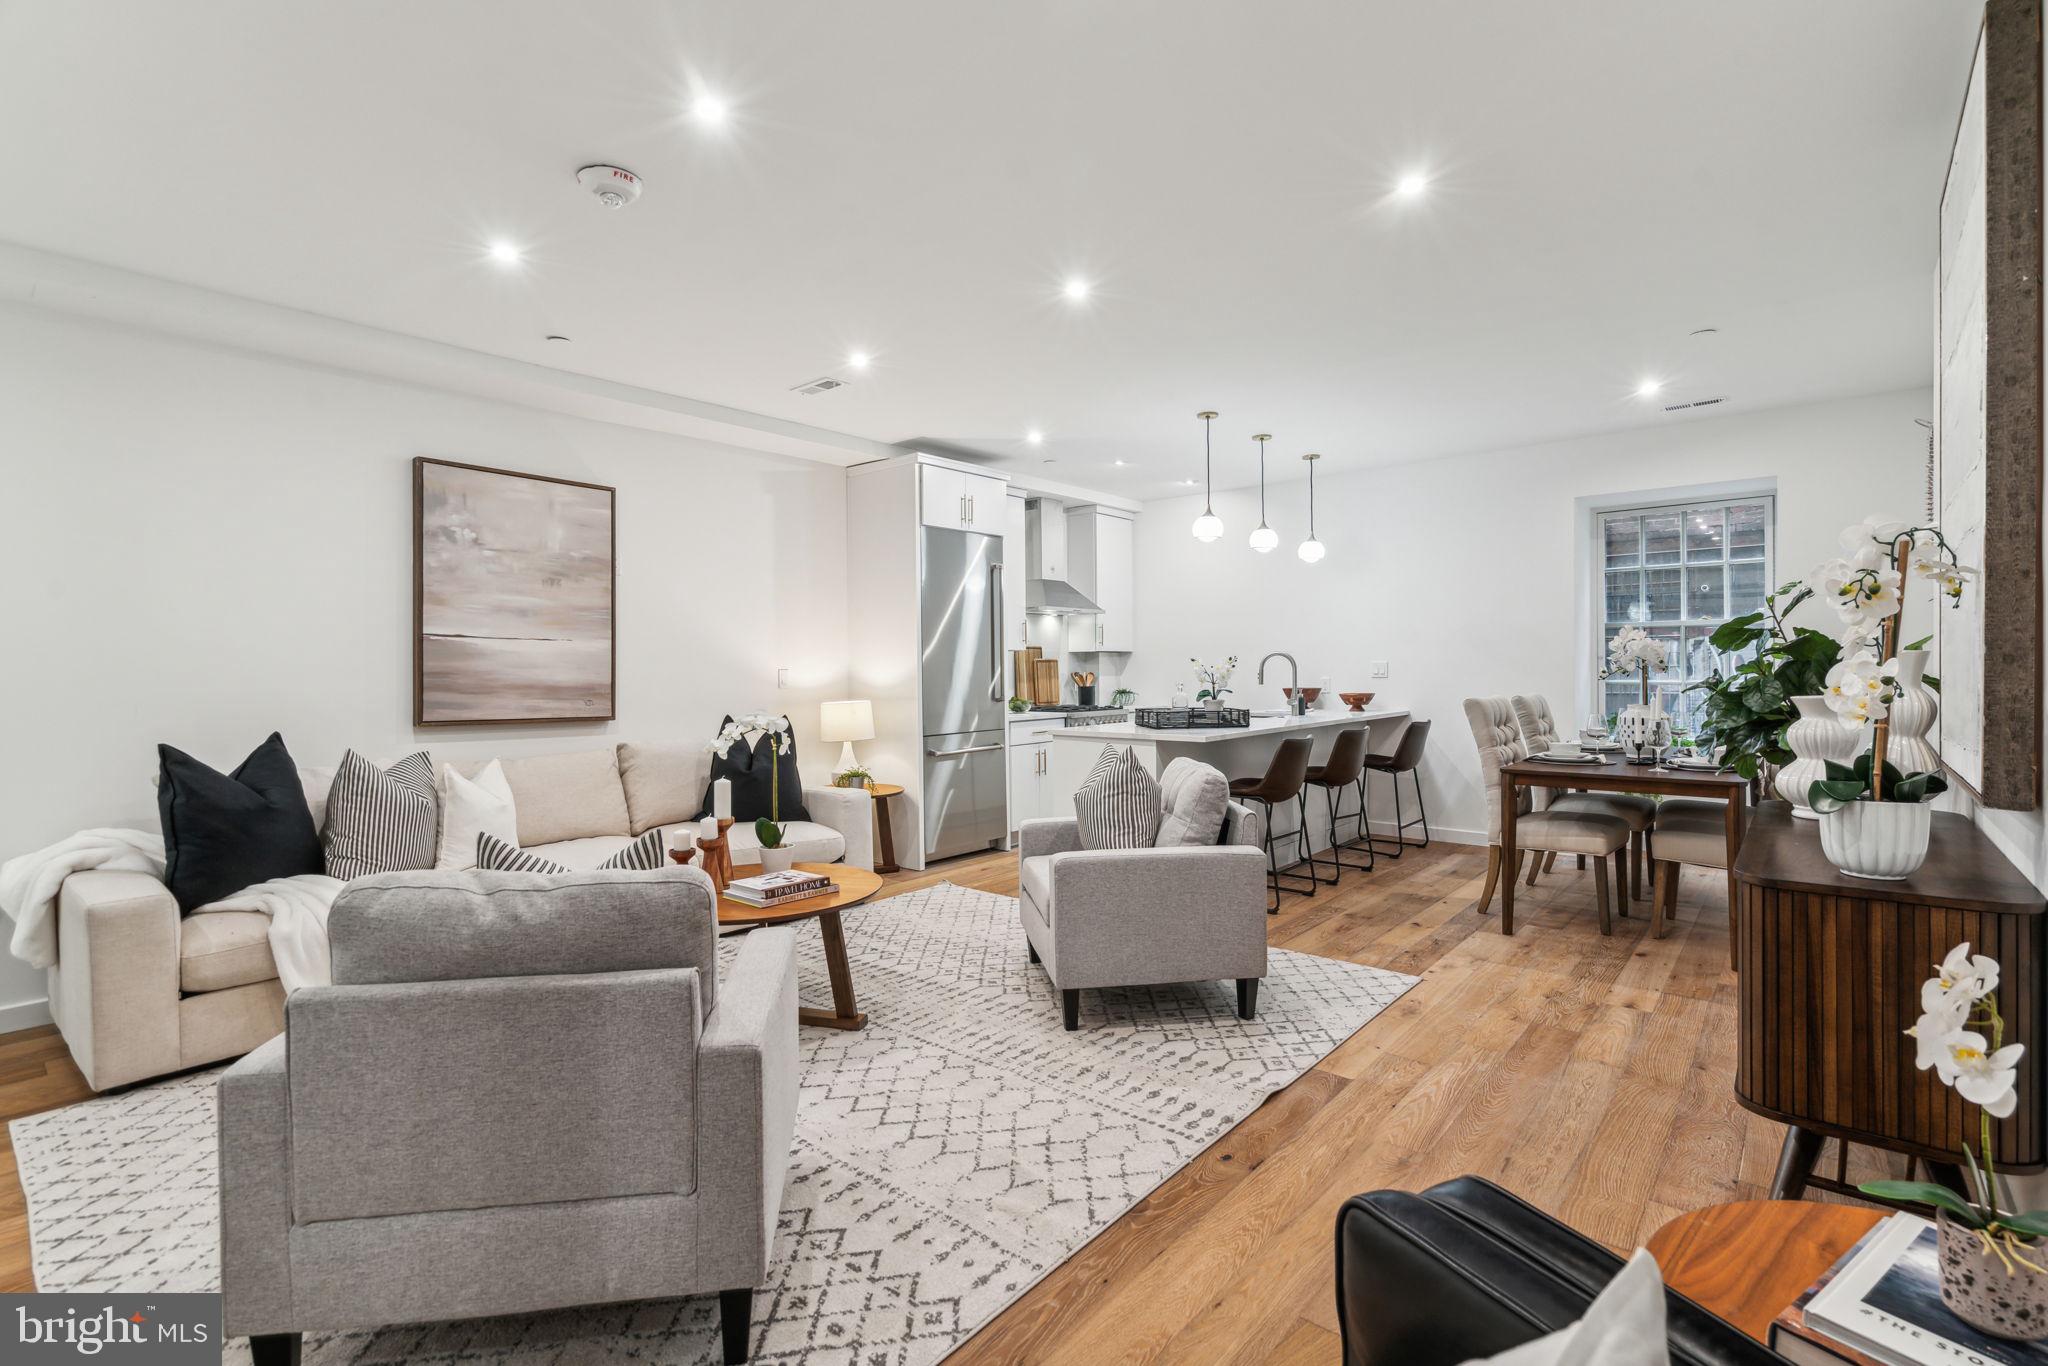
(614,186)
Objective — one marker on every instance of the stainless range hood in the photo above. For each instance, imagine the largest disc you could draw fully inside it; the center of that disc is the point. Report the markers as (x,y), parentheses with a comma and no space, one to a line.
(1046,590)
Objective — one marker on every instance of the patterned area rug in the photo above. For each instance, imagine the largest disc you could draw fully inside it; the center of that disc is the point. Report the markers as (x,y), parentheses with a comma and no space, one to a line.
(947,1156)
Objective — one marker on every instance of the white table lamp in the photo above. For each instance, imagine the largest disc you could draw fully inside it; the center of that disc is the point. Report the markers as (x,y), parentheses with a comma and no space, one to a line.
(846,722)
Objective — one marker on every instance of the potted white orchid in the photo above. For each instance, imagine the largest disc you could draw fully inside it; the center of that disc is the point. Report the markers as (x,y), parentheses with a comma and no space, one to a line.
(1992,1272)
(1874,820)
(1215,681)
(775,857)
(1642,726)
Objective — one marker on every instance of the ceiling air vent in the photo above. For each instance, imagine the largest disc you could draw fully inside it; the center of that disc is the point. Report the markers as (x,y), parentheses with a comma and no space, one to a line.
(1696,403)
(823,385)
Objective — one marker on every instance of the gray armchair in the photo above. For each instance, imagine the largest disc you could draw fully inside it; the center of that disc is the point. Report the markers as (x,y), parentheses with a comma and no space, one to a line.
(1133,917)
(521,1093)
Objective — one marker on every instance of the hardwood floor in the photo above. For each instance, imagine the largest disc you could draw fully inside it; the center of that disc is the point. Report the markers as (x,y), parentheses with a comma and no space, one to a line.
(1592,1076)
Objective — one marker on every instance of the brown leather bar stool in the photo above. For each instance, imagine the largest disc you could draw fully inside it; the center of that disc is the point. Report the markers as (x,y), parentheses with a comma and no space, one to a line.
(1345,768)
(1406,758)
(1283,782)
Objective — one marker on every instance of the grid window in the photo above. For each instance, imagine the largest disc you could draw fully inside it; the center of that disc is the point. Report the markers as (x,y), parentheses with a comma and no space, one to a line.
(1679,572)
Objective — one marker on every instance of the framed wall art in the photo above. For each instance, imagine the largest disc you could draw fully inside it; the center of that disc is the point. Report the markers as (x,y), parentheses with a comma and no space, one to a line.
(514,587)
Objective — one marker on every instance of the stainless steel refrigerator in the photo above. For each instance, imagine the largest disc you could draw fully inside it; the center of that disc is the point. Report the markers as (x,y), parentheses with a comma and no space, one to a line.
(960,620)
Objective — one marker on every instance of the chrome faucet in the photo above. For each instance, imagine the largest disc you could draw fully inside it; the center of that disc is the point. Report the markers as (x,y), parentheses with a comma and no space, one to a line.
(1296,703)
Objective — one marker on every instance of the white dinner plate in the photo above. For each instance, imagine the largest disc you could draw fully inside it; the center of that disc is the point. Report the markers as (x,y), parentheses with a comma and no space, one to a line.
(1568,758)
(1698,765)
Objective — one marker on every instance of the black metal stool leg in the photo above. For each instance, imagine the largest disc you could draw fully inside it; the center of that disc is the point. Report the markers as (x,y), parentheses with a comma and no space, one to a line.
(1338,847)
(1279,876)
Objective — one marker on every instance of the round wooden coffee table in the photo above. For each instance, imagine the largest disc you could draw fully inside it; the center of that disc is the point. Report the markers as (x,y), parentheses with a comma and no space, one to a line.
(1748,1260)
(850,887)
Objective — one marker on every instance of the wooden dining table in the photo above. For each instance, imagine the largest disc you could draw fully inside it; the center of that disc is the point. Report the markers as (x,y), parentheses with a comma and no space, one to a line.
(1613,774)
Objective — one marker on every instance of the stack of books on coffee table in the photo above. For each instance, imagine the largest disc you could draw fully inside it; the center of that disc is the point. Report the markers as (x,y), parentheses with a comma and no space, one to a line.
(1880,1305)
(772,889)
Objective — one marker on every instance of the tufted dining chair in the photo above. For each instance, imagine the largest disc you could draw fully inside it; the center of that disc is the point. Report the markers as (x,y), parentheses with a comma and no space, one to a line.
(1498,737)
(1539,729)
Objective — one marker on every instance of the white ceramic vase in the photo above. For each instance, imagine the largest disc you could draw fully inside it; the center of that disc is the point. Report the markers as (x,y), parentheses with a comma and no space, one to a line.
(1912,714)
(1884,841)
(777,860)
(1815,738)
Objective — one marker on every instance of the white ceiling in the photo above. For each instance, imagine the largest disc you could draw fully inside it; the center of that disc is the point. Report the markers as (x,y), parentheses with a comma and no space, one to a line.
(916,177)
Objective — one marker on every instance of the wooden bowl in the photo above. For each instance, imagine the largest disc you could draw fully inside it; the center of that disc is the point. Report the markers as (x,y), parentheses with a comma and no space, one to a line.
(1355,700)
(1308,695)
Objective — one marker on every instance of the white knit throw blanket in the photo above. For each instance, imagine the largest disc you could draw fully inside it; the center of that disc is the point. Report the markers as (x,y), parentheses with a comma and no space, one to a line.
(297,906)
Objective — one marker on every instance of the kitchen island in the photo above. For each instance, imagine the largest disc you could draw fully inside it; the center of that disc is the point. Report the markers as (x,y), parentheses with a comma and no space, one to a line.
(1240,751)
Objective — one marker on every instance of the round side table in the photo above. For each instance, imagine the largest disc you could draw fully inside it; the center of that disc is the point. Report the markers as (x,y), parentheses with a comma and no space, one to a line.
(882,792)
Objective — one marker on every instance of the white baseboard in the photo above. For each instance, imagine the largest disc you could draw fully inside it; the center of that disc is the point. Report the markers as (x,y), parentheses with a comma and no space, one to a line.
(24,1015)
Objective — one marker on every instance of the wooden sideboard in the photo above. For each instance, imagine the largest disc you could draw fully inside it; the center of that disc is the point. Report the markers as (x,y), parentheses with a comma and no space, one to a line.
(1830,968)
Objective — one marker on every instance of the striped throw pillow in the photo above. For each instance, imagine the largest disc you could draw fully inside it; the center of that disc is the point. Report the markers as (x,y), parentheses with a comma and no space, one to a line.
(493,855)
(1118,807)
(379,820)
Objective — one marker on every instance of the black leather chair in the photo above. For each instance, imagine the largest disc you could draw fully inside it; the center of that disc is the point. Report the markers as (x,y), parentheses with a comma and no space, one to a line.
(1467,1270)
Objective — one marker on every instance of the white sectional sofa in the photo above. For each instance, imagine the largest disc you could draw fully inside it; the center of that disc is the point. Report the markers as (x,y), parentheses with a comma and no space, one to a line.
(139,990)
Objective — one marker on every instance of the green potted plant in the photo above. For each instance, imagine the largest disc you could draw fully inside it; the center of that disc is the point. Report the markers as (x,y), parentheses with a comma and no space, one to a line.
(857,776)
(1992,1272)
(1747,711)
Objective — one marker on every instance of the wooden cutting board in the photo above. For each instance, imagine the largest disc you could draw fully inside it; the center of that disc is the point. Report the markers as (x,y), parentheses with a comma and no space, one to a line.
(1024,668)
(1045,681)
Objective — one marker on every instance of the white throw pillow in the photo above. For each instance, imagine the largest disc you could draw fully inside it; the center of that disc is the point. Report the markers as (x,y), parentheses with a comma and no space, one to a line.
(474,806)
(1623,1327)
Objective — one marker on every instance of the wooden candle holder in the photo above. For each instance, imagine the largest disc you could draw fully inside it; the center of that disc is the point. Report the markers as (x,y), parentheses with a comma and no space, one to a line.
(714,856)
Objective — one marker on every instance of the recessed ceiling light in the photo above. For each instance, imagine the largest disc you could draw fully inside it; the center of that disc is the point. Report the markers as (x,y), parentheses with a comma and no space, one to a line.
(709,110)
(505,254)
(858,360)
(1412,185)
(1034,437)
(1648,387)
(1077,289)
(1119,463)
(1189,483)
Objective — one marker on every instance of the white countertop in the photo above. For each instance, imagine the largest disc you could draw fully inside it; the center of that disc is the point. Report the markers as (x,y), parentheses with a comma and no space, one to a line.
(1260,726)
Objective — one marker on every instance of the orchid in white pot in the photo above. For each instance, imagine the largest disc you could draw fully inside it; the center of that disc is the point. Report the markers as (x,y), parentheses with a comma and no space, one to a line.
(775,857)
(1874,820)
(1215,680)
(1992,1275)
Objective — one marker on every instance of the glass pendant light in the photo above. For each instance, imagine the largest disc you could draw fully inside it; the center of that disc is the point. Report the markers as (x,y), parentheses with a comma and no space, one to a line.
(1311,549)
(1208,526)
(1265,538)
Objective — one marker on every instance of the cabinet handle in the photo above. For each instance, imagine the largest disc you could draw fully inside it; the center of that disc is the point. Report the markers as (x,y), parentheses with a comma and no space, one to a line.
(1098,630)
(970,509)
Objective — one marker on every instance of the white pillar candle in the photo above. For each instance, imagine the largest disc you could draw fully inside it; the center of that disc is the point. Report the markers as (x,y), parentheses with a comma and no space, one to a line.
(682,837)
(721,799)
(707,829)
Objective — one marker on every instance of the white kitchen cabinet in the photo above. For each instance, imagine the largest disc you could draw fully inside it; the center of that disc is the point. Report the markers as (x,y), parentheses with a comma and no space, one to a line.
(1032,796)
(1102,563)
(1016,627)
(954,498)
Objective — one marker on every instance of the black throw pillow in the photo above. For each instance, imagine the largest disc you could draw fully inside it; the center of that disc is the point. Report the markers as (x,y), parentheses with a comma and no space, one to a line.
(224,832)
(749,767)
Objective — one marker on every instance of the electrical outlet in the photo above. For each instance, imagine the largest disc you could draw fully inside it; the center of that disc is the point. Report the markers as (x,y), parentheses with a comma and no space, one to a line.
(1379,668)
(782,678)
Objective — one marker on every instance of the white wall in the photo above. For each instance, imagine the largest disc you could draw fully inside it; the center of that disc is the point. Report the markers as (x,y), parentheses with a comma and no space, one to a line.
(1462,573)
(202,546)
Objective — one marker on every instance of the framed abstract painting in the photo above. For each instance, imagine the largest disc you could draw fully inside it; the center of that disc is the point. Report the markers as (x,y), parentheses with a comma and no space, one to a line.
(514,582)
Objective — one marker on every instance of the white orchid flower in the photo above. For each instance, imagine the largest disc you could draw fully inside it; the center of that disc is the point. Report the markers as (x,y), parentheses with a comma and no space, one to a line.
(1978,1075)
(1944,1016)
(1872,532)
(1962,974)
(1857,691)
